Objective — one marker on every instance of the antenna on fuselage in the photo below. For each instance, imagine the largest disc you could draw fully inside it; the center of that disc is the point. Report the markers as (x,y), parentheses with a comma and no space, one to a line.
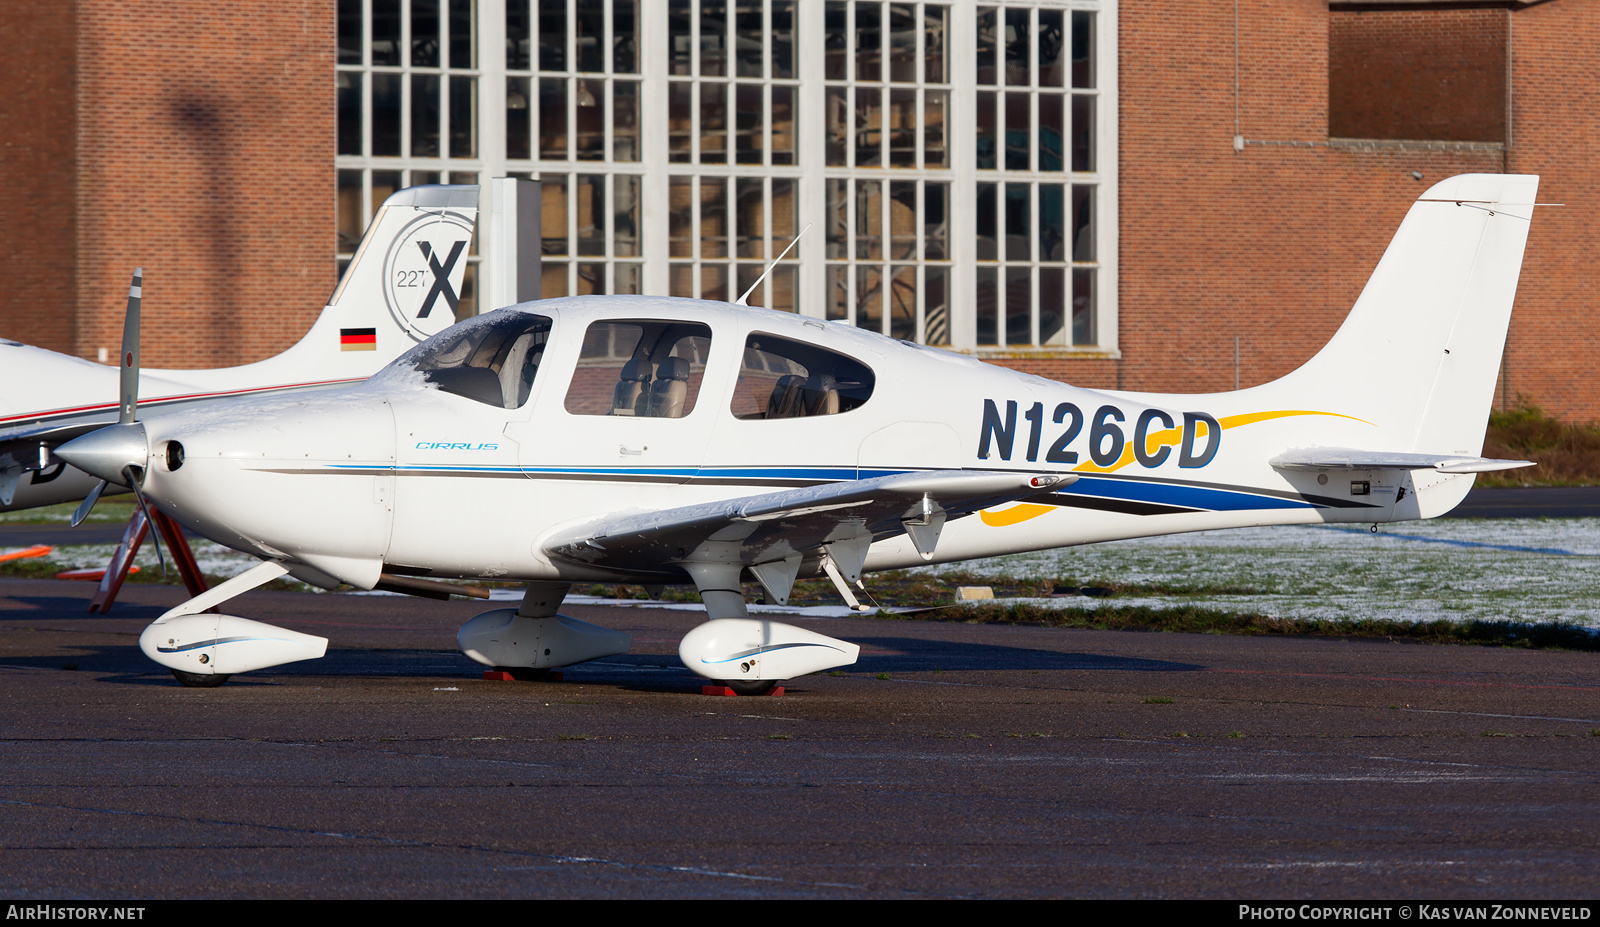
(741,300)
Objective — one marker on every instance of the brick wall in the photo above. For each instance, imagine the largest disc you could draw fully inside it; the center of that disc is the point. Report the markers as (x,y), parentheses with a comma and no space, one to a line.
(208,140)
(38,302)
(1418,73)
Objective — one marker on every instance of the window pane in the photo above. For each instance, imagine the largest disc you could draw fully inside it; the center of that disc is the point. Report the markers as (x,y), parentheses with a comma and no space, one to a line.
(838,126)
(552,35)
(935,306)
(629,278)
(869,221)
(589,141)
(902,43)
(1016,43)
(591,205)
(591,279)
(783,288)
(1052,302)
(349,32)
(838,292)
(519,35)
(680,42)
(350,220)
(783,123)
(902,220)
(682,281)
(422,177)
(519,133)
(1083,331)
(425,115)
(588,39)
(625,120)
(713,220)
(424,33)
(836,41)
(749,39)
(935,225)
(1052,38)
(838,218)
(902,128)
(625,216)
(680,125)
(988,239)
(552,280)
(869,297)
(553,118)
(1083,50)
(1052,224)
(1019,231)
(869,127)
(933,137)
(783,39)
(1082,223)
(680,221)
(987,140)
(714,282)
(869,42)
(349,112)
(791,379)
(639,368)
(934,21)
(386,33)
(384,183)
(785,215)
(751,214)
(385,115)
(463,117)
(748,275)
(713,38)
(463,34)
(1082,133)
(903,303)
(625,39)
(713,123)
(1019,306)
(1019,132)
(553,218)
(988,45)
(987,305)
(1051,134)
(749,125)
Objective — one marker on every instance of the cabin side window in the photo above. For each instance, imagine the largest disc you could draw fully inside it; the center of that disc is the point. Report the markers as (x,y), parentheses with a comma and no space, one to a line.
(492,359)
(643,368)
(791,379)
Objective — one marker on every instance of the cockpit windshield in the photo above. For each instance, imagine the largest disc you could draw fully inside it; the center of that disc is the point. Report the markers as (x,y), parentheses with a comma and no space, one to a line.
(491,359)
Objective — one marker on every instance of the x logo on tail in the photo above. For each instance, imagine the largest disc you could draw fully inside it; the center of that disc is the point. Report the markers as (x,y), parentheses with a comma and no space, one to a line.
(441,277)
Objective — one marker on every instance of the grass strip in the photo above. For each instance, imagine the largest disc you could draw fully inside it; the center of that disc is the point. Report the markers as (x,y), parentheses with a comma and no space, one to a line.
(1194,619)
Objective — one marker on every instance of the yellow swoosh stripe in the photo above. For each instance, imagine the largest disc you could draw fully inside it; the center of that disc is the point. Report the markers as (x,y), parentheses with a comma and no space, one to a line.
(1015,515)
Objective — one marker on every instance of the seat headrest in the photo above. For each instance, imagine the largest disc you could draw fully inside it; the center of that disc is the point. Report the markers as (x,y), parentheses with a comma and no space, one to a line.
(673,368)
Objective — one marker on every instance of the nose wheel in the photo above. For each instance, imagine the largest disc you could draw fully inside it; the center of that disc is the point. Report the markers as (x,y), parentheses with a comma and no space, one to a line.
(749,686)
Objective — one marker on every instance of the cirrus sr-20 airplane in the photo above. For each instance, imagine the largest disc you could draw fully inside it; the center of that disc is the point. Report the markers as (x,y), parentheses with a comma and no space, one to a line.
(655,441)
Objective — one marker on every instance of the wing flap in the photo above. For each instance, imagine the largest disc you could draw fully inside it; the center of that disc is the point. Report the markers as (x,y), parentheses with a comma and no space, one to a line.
(1343,458)
(759,529)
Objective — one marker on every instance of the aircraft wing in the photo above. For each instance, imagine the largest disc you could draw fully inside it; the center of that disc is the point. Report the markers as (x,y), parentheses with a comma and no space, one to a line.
(28,448)
(1344,458)
(841,519)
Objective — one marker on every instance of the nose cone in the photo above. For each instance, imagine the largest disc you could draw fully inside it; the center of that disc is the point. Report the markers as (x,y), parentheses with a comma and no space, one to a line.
(106,452)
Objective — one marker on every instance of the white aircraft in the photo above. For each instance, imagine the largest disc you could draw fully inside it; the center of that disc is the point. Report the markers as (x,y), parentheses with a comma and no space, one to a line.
(404,292)
(653,441)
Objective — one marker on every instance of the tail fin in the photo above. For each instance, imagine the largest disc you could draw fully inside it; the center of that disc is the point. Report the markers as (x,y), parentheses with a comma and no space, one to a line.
(1420,352)
(403,285)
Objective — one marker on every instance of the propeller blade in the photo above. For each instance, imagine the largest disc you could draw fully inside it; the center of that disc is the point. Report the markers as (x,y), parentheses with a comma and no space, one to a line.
(155,532)
(88,504)
(130,352)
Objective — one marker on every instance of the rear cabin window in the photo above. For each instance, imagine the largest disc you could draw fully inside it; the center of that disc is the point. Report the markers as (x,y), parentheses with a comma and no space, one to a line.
(791,379)
(641,368)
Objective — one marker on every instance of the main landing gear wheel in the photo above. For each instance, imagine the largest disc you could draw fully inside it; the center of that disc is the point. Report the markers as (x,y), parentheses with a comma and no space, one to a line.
(751,686)
(200,680)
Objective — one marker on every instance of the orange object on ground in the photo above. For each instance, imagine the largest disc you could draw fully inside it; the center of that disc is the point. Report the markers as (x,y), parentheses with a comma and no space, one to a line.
(37,550)
(93,574)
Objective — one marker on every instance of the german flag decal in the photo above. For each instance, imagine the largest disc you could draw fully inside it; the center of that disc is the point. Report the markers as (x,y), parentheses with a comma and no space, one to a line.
(358,339)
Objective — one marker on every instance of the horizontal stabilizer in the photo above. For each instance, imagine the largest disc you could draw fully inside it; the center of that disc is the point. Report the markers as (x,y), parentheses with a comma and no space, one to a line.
(773,526)
(1344,458)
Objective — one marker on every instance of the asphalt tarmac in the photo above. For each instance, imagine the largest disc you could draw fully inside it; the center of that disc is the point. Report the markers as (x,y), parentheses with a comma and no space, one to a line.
(952,761)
